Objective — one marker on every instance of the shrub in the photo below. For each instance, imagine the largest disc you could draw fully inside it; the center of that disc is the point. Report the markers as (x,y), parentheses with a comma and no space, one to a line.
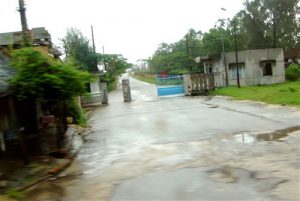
(46,79)
(292,73)
(74,110)
(14,194)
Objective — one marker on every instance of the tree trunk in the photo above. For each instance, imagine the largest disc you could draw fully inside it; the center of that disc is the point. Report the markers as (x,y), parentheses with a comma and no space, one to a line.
(274,26)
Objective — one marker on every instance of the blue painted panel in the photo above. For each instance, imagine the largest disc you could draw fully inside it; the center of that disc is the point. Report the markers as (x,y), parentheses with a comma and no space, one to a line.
(170,90)
(170,85)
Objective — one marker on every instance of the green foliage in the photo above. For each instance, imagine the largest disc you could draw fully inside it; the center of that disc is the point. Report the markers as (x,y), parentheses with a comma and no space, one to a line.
(110,80)
(211,42)
(292,73)
(115,65)
(271,23)
(149,78)
(176,56)
(75,111)
(40,76)
(286,93)
(14,194)
(78,50)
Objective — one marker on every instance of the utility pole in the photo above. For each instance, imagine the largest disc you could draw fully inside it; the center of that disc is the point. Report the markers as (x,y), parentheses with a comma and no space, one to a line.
(236,56)
(187,50)
(187,45)
(225,63)
(25,31)
(94,48)
(236,51)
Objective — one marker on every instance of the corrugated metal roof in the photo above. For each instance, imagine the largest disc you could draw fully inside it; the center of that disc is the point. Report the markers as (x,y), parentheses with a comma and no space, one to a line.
(6,72)
(40,33)
(13,38)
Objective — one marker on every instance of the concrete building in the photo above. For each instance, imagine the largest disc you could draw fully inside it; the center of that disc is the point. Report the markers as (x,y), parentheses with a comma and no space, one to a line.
(142,64)
(292,55)
(256,67)
(39,37)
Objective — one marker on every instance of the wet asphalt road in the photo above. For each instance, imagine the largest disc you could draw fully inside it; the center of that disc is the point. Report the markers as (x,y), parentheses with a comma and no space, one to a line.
(182,148)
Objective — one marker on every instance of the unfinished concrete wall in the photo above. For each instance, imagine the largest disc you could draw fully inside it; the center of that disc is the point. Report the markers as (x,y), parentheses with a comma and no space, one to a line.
(218,70)
(254,61)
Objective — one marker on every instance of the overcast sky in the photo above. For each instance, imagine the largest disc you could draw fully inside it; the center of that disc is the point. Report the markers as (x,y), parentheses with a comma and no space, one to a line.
(133,28)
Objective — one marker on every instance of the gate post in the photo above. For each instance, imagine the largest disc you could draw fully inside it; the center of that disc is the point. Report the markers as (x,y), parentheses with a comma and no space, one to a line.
(126,90)
(103,88)
(187,84)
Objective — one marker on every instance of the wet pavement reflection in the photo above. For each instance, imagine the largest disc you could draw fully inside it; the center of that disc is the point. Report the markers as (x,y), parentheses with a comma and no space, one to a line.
(182,148)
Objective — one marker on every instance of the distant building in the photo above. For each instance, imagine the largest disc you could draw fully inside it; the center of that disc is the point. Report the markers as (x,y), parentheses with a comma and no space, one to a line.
(142,64)
(39,37)
(256,67)
(15,114)
(292,55)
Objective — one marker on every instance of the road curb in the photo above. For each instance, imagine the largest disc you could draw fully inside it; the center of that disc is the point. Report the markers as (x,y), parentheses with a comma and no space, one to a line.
(52,172)
(56,170)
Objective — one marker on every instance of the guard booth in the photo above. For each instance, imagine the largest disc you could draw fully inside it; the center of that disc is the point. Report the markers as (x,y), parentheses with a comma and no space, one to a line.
(167,85)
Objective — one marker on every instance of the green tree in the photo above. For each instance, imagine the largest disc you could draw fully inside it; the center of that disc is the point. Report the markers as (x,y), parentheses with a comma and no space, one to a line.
(45,79)
(211,42)
(78,50)
(176,56)
(271,23)
(282,21)
(115,65)
(253,19)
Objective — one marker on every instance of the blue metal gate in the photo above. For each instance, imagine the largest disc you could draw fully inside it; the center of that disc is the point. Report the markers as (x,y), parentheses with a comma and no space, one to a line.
(169,85)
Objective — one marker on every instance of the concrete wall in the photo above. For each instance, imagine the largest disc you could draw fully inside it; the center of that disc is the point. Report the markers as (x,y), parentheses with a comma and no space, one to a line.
(95,94)
(218,70)
(253,69)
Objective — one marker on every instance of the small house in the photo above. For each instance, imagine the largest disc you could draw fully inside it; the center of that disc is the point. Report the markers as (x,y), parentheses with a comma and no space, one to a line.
(255,67)
(14,114)
(292,55)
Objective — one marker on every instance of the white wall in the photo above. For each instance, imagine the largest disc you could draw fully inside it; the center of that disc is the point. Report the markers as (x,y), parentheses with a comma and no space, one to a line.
(95,87)
(253,70)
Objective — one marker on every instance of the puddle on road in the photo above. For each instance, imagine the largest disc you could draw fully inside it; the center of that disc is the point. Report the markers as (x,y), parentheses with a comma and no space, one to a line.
(277,135)
(245,138)
(271,137)
(248,138)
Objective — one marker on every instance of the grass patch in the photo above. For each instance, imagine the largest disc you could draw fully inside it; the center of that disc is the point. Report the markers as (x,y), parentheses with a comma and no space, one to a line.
(281,94)
(112,86)
(149,78)
(14,194)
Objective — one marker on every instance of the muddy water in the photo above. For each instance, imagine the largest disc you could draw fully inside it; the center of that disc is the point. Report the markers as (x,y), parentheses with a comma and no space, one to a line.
(278,135)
